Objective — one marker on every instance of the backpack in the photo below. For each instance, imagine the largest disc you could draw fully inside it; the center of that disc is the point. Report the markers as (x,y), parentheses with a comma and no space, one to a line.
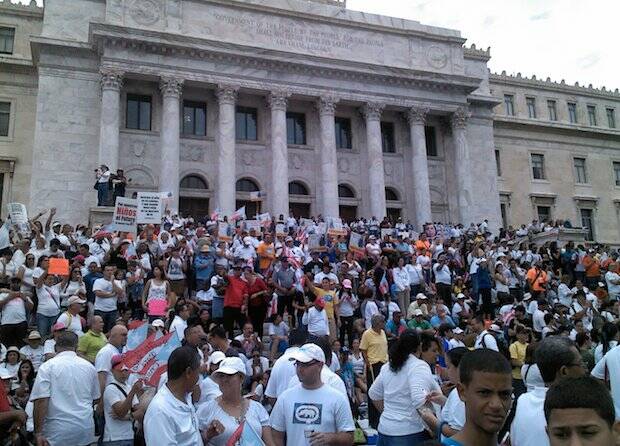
(502,345)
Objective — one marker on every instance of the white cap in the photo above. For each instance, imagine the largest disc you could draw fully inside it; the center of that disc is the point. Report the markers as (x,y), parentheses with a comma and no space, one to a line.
(460,296)
(420,296)
(158,323)
(418,312)
(216,357)
(457,330)
(231,366)
(247,240)
(527,296)
(75,300)
(496,328)
(308,353)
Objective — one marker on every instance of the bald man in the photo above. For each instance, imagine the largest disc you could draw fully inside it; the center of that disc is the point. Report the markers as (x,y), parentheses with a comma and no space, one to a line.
(93,341)
(103,362)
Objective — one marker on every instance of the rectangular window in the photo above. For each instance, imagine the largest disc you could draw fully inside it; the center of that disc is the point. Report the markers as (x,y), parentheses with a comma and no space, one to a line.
(194,118)
(138,112)
(572,112)
(544,213)
(580,170)
(617,173)
(611,118)
(592,114)
(387,137)
(509,104)
(498,164)
(7,39)
(246,124)
(531,107)
(431,140)
(502,208)
(296,128)
(5,118)
(587,222)
(553,113)
(538,166)
(343,133)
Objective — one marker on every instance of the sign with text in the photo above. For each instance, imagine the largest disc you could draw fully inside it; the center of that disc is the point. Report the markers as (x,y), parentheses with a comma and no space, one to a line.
(149,207)
(58,267)
(356,243)
(19,217)
(224,231)
(125,215)
(252,224)
(335,227)
(280,229)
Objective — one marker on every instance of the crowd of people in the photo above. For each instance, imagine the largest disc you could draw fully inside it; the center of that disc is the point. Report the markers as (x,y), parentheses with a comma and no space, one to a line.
(448,335)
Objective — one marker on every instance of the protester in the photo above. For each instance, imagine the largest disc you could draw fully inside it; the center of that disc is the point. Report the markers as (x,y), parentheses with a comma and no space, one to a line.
(374,348)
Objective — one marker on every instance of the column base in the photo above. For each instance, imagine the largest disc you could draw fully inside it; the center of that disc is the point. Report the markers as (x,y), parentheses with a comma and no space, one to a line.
(100,215)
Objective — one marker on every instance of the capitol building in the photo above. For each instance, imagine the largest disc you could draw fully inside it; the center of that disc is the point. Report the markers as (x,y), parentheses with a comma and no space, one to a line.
(321,109)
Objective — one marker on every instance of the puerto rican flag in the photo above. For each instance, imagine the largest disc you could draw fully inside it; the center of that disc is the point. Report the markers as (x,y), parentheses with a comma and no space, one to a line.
(239,214)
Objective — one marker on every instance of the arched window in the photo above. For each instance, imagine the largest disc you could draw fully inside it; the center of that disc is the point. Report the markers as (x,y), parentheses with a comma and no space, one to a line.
(297,188)
(193,182)
(391,194)
(247,185)
(345,191)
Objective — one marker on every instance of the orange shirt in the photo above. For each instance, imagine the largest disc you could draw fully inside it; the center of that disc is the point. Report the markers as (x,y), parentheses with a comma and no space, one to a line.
(266,253)
(541,280)
(593,268)
(422,245)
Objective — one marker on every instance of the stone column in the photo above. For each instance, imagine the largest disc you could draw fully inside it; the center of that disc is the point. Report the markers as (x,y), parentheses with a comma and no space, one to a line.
(462,169)
(416,117)
(226,158)
(170,144)
(277,101)
(329,160)
(376,177)
(111,83)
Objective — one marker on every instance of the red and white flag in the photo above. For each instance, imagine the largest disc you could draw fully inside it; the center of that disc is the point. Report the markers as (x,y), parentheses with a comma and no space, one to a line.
(239,214)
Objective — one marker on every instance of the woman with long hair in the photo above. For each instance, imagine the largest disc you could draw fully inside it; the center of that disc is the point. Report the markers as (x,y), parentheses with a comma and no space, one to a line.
(24,382)
(73,287)
(609,339)
(400,392)
(156,295)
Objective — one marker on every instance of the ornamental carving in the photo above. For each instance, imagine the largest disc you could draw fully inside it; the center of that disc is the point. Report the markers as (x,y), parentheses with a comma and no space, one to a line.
(344,166)
(372,111)
(296,161)
(111,79)
(278,100)
(417,115)
(326,105)
(138,149)
(436,57)
(145,12)
(247,158)
(227,94)
(171,86)
(460,117)
(192,153)
(388,169)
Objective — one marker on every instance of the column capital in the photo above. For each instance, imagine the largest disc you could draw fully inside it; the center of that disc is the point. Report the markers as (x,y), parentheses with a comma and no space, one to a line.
(459,118)
(111,79)
(278,99)
(326,105)
(227,94)
(171,86)
(371,111)
(417,115)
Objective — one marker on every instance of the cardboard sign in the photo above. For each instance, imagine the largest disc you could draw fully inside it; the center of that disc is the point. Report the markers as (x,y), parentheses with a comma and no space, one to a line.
(356,243)
(18,213)
(125,215)
(58,267)
(389,232)
(335,227)
(252,224)
(316,243)
(264,219)
(280,229)
(224,231)
(149,208)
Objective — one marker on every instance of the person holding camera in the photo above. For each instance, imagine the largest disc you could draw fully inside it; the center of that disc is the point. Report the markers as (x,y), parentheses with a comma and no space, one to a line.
(102,185)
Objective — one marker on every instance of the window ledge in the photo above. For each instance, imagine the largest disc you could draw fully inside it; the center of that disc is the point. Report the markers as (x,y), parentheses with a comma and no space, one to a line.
(300,146)
(197,138)
(140,132)
(540,181)
(341,150)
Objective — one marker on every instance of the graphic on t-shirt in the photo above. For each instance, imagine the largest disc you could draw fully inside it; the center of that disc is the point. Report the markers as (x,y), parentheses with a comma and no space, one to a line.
(307,413)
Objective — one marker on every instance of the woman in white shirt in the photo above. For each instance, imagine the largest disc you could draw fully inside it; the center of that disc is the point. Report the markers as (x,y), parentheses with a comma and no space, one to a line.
(221,418)
(48,293)
(609,340)
(73,287)
(26,271)
(400,391)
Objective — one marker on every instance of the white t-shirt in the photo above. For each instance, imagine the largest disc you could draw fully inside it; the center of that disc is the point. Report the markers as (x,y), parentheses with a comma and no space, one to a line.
(14,311)
(528,426)
(402,393)
(73,323)
(316,321)
(256,416)
(35,355)
(531,376)
(49,300)
(281,373)
(178,325)
(49,347)
(611,362)
(489,341)
(442,275)
(104,303)
(614,290)
(319,410)
(598,351)
(103,361)
(453,412)
(117,428)
(369,311)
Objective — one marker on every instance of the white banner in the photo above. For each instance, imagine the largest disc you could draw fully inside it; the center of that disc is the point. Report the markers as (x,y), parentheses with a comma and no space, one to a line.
(149,207)
(18,214)
(125,215)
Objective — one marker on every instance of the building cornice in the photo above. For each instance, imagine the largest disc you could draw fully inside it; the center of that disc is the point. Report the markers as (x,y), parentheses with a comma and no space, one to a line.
(20,9)
(108,36)
(477,53)
(509,121)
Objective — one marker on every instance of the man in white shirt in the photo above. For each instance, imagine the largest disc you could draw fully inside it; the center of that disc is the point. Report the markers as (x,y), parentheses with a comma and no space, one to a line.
(315,318)
(484,339)
(608,369)
(33,350)
(170,419)
(103,360)
(557,358)
(63,418)
(106,294)
(312,411)
(284,369)
(612,278)
(443,280)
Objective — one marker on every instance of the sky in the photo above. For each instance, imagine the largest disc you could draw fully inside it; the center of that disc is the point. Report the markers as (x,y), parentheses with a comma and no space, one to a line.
(574,40)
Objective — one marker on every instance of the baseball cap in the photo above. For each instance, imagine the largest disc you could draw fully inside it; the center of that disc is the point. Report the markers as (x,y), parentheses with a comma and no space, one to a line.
(418,312)
(75,300)
(420,296)
(158,323)
(247,240)
(527,296)
(320,302)
(457,330)
(496,328)
(59,326)
(117,360)
(308,353)
(34,334)
(346,283)
(216,357)
(231,366)
(460,296)
(56,223)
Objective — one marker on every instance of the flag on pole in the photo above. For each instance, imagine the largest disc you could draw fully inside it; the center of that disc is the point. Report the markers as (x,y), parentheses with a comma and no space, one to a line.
(158,367)
(239,214)
(384,286)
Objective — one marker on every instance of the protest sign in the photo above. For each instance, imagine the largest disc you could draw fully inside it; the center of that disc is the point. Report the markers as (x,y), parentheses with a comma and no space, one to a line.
(335,227)
(264,219)
(252,224)
(125,214)
(18,213)
(321,228)
(356,243)
(305,222)
(58,267)
(389,232)
(316,242)
(224,231)
(149,208)
(280,229)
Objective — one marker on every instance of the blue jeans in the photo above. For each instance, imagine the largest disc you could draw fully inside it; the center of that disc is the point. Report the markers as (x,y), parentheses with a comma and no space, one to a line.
(403,440)
(44,324)
(102,194)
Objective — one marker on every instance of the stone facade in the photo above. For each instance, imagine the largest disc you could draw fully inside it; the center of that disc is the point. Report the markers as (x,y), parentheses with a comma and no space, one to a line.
(314,58)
